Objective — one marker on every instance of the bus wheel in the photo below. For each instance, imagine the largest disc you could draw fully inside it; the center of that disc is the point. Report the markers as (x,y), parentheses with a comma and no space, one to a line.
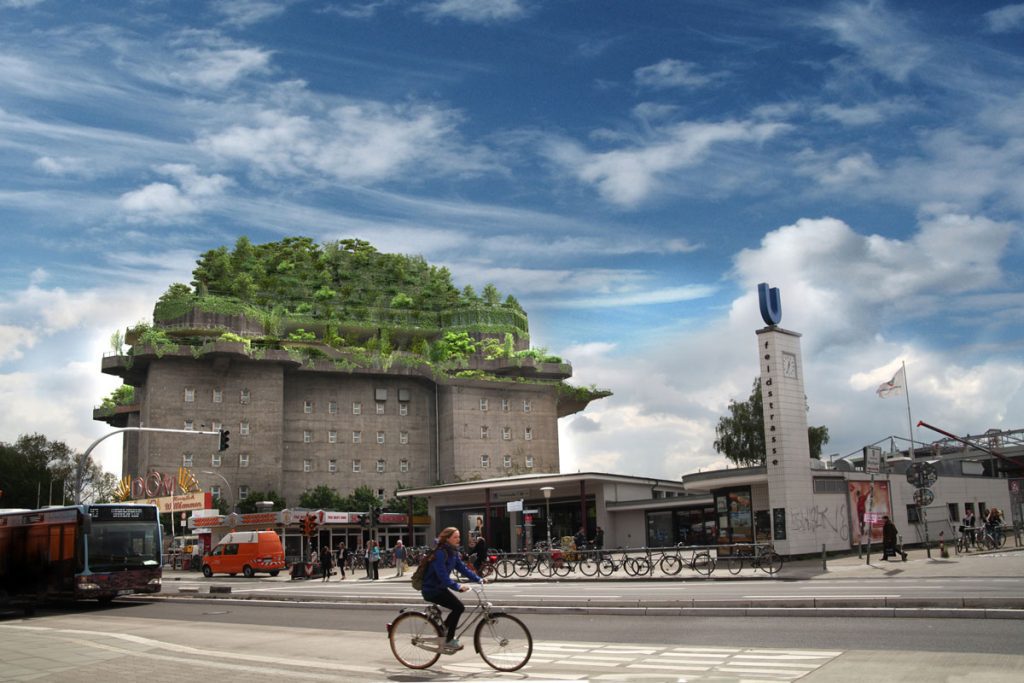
(207,572)
(274,572)
(247,572)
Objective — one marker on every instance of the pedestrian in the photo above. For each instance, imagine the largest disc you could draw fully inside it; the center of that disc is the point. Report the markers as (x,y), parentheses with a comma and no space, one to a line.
(480,550)
(599,540)
(325,563)
(372,560)
(342,558)
(889,540)
(967,525)
(580,539)
(401,554)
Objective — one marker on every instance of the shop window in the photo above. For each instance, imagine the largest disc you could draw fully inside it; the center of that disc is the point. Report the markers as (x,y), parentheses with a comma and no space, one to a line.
(190,394)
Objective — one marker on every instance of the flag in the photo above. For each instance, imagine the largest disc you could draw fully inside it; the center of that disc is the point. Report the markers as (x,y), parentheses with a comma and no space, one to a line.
(894,387)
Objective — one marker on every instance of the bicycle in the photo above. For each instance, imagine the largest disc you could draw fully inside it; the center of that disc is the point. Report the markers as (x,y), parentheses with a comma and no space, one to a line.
(417,637)
(764,558)
(700,561)
(633,566)
(991,538)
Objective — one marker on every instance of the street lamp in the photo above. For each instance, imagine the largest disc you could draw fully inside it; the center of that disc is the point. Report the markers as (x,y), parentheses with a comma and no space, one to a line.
(546,490)
(218,474)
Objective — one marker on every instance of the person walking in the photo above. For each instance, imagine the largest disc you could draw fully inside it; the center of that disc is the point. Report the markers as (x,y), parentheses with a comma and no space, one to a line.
(889,539)
(438,583)
(401,555)
(326,562)
(598,541)
(480,553)
(342,558)
(373,560)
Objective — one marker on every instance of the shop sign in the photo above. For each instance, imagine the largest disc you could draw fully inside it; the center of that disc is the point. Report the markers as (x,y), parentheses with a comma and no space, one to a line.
(393,518)
(182,503)
(198,522)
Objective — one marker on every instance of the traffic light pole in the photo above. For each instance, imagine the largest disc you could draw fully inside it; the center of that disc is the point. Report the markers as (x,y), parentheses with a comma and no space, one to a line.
(80,468)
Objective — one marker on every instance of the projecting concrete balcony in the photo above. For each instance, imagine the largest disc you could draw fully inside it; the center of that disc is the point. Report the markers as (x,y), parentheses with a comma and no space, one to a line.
(118,416)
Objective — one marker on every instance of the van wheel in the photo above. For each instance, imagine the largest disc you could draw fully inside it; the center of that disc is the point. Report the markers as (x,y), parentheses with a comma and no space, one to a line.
(275,572)
(247,572)
(207,572)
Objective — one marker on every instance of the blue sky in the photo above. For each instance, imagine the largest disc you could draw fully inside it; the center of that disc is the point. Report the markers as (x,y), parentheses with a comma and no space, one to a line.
(628,170)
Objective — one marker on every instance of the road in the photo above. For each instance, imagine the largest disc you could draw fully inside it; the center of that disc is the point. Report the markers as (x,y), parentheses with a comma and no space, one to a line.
(240,640)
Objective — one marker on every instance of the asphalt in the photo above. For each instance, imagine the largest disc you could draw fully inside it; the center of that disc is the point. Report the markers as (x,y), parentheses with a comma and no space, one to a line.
(920,564)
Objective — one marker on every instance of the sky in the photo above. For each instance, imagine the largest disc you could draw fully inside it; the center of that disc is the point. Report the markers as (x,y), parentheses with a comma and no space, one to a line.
(629,171)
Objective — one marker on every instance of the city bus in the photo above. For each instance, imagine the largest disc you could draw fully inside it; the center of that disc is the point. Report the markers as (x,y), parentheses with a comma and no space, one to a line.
(79,552)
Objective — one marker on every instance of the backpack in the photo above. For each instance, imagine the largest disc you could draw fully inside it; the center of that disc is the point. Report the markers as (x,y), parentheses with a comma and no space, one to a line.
(421,571)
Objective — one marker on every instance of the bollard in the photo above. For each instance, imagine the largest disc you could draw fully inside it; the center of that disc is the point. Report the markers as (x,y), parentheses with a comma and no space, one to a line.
(942,545)
(824,566)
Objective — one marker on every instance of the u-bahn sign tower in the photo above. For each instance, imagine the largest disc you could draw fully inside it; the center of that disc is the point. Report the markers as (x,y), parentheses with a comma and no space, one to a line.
(787,450)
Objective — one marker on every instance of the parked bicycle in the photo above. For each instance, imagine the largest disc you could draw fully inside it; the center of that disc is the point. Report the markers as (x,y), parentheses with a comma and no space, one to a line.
(633,565)
(763,557)
(417,637)
(700,561)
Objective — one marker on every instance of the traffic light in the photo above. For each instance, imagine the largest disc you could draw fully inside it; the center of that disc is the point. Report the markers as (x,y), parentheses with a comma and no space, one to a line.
(224,437)
(376,516)
(309,525)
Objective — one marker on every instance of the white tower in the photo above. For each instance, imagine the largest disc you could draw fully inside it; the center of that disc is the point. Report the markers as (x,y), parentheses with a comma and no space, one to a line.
(787,450)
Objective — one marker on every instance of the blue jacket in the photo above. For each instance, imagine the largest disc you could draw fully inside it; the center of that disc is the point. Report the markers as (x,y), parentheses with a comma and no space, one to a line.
(439,573)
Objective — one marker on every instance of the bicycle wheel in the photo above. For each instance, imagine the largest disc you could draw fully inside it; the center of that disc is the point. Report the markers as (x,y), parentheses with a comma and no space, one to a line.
(1000,539)
(703,563)
(670,565)
(588,565)
(606,566)
(546,568)
(522,567)
(505,568)
(503,641)
(407,632)
(771,561)
(487,571)
(562,568)
(734,564)
(959,545)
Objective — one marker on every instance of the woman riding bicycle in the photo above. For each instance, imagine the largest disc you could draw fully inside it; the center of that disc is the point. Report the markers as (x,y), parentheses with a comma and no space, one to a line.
(438,582)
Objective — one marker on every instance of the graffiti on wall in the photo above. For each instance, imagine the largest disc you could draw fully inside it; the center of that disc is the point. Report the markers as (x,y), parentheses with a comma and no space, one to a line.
(818,518)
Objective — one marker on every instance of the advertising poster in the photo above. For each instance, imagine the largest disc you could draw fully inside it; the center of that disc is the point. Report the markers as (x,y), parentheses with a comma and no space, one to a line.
(474,526)
(869,503)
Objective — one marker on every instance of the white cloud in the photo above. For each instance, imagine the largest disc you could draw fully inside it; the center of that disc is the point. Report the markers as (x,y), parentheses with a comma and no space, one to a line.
(360,142)
(672,73)
(219,68)
(881,39)
(19,4)
(14,341)
(1005,19)
(630,175)
(864,114)
(163,202)
(473,11)
(643,298)
(244,13)
(62,166)
(157,201)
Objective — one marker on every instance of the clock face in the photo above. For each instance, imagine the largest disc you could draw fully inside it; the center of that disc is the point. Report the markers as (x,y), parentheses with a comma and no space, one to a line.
(789,365)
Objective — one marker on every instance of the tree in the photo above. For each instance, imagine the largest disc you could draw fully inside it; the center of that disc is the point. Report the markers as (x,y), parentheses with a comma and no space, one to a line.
(363,498)
(323,497)
(740,435)
(36,471)
(248,504)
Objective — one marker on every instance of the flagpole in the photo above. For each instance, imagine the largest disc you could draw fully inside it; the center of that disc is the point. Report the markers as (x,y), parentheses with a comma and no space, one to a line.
(910,425)
(910,420)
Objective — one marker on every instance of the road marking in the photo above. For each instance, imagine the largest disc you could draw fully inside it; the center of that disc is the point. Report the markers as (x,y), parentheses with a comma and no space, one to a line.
(831,597)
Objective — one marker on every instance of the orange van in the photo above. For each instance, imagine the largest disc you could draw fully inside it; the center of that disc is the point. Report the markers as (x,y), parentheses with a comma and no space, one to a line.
(246,552)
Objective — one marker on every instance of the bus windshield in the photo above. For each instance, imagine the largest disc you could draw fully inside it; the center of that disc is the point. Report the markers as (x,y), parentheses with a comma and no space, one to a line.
(117,545)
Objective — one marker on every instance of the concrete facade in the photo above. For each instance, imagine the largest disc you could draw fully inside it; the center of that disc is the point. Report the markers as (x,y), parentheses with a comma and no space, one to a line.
(296,426)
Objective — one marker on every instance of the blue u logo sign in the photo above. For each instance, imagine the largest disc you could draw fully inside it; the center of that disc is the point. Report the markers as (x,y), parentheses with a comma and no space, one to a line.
(771,304)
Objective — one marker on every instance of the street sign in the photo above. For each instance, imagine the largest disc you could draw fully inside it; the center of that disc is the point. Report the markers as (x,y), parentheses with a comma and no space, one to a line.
(514,506)
(923,497)
(872,459)
(922,475)
(531,512)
